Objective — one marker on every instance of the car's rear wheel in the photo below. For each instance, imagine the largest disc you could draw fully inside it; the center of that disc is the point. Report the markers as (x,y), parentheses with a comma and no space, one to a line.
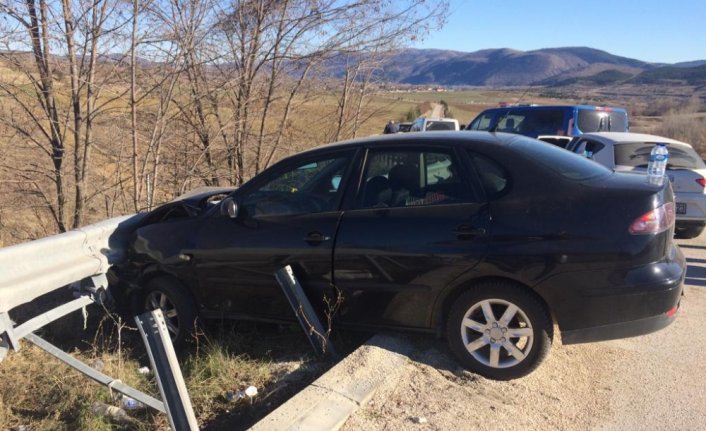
(177,306)
(499,330)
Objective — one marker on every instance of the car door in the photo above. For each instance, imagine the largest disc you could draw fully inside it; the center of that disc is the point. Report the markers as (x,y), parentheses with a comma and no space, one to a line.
(413,228)
(288,216)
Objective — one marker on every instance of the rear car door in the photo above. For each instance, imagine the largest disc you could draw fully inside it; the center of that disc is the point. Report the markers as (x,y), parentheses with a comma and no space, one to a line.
(414,226)
(288,216)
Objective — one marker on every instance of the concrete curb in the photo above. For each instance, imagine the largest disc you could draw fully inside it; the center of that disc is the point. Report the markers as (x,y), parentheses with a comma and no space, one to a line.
(327,403)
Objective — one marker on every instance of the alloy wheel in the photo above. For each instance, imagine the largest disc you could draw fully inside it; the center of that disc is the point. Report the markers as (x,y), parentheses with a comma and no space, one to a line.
(497,333)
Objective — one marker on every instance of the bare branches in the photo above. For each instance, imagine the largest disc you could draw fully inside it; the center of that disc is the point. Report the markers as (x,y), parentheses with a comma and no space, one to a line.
(185,92)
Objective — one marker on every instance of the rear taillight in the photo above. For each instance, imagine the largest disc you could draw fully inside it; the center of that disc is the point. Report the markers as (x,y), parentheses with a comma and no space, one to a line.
(701,181)
(655,221)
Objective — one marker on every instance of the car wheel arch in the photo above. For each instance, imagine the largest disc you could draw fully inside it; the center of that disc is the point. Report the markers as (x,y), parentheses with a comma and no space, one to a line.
(153,272)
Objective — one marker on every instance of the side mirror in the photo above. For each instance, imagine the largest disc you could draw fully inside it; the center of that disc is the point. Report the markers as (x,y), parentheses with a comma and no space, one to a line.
(229,207)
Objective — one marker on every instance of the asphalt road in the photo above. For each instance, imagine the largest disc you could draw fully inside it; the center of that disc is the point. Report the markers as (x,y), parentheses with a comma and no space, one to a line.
(652,382)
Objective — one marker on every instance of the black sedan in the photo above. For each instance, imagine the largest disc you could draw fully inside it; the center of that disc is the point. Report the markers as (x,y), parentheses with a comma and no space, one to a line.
(486,239)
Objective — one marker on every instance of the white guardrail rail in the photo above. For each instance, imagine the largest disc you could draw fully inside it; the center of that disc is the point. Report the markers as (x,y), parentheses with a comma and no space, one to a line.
(35,268)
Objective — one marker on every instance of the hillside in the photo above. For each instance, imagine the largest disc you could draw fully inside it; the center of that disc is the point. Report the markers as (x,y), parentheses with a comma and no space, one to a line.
(507,67)
(674,74)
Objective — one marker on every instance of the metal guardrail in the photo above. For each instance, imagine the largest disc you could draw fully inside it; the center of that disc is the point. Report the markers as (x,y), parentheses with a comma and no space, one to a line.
(309,321)
(155,334)
(35,268)
(83,256)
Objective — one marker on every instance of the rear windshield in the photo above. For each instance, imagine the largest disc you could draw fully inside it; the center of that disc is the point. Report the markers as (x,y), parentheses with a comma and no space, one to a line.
(590,121)
(565,163)
(637,154)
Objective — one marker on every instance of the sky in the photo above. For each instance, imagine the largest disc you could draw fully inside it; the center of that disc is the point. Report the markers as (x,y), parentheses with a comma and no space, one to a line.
(659,31)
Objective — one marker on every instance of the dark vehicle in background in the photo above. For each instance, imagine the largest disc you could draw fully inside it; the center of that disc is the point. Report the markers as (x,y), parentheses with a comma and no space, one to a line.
(486,239)
(630,152)
(405,126)
(536,120)
(558,140)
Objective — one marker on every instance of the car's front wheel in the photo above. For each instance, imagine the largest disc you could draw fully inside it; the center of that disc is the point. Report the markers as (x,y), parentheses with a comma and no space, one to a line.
(499,330)
(177,306)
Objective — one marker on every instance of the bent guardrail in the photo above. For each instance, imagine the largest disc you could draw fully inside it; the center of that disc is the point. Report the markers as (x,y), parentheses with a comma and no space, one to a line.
(83,256)
(35,268)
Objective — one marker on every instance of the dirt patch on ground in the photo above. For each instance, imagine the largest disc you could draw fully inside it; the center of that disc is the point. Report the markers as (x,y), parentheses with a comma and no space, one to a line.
(433,387)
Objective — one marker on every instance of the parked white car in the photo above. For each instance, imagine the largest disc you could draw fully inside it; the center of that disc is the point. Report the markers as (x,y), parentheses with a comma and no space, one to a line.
(424,124)
(631,152)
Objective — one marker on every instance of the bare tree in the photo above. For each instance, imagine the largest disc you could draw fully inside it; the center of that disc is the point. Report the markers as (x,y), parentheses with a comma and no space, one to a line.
(118,101)
(61,37)
(268,40)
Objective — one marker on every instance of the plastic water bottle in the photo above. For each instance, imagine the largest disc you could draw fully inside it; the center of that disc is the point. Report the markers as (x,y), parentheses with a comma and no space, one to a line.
(131,403)
(657,167)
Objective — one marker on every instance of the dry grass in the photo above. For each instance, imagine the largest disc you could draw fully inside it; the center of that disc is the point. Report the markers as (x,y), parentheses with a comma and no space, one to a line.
(40,392)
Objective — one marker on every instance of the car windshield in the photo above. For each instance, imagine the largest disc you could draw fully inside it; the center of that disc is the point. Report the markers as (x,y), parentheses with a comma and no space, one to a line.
(590,120)
(565,163)
(637,155)
(532,122)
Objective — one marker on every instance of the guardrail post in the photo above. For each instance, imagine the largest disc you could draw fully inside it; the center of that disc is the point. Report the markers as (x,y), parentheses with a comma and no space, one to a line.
(308,319)
(175,397)
(7,335)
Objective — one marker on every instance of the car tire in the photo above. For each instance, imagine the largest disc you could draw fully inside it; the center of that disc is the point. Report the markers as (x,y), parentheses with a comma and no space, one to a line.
(177,305)
(689,232)
(499,330)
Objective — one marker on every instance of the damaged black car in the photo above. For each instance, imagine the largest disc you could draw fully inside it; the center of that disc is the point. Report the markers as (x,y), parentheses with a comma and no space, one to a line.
(487,239)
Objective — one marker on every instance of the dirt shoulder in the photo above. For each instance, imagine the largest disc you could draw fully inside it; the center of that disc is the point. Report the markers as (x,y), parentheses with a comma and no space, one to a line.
(657,381)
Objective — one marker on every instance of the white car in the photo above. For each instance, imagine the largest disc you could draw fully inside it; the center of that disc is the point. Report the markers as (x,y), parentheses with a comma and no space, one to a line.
(424,124)
(631,152)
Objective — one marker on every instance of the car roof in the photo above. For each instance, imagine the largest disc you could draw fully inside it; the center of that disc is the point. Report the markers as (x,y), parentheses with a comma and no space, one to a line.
(440,137)
(628,137)
(568,138)
(439,119)
(596,107)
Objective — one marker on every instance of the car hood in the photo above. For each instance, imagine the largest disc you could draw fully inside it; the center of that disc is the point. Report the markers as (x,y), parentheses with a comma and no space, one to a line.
(165,231)
(196,196)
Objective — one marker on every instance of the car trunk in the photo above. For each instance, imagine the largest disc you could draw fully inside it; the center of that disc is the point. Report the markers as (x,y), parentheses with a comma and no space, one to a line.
(624,198)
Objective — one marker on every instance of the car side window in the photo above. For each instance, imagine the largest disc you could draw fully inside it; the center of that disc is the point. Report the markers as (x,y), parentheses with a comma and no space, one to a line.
(309,187)
(493,176)
(482,122)
(411,178)
(509,123)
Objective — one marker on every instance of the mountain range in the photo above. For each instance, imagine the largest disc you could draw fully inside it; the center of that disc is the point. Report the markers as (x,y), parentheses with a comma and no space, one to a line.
(550,66)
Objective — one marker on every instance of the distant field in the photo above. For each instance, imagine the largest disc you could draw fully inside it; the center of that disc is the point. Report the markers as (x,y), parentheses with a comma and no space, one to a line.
(465,105)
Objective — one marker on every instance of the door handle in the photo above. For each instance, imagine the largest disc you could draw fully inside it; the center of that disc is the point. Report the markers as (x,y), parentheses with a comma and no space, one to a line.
(466,231)
(315,238)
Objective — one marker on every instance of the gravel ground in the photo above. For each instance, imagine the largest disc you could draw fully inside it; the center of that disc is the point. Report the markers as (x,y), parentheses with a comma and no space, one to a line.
(655,382)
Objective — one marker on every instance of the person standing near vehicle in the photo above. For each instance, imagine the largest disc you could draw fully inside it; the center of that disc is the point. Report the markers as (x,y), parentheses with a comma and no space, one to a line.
(391,127)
